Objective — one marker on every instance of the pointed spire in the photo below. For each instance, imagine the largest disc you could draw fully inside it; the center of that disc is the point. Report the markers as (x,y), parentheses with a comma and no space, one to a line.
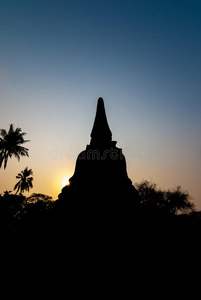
(101,134)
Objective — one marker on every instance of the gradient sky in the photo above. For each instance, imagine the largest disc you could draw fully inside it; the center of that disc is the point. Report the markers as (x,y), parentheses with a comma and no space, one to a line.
(57,57)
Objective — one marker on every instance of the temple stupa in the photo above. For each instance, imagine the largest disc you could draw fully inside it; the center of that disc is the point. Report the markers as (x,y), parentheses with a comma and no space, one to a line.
(100,171)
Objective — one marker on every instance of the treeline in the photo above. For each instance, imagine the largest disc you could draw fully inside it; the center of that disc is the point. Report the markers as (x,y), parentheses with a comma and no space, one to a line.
(19,213)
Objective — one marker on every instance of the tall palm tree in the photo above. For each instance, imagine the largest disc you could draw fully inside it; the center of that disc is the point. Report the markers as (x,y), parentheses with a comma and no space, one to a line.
(25,182)
(10,144)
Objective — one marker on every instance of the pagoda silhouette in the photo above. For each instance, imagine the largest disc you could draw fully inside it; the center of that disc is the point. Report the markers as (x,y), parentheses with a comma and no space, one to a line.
(100,181)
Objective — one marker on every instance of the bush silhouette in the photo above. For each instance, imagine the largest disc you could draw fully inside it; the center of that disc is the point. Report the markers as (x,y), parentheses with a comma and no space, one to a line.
(175,201)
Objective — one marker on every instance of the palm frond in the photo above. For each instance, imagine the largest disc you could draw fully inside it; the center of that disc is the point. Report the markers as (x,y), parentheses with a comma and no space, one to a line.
(19,176)
(11,129)
(1,159)
(3,133)
(5,161)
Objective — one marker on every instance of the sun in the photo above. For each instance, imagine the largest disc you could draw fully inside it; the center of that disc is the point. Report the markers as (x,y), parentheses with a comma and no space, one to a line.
(65,181)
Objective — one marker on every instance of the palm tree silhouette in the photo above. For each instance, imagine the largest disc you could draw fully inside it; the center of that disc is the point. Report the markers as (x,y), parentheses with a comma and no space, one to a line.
(25,182)
(10,144)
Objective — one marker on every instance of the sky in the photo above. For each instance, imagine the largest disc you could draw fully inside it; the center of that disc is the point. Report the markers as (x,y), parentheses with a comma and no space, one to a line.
(143,57)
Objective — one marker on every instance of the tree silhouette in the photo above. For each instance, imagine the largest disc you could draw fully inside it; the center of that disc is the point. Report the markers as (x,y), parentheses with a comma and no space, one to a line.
(175,201)
(35,197)
(25,182)
(10,144)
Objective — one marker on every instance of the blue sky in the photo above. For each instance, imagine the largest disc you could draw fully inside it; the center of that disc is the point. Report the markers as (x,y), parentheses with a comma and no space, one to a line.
(142,57)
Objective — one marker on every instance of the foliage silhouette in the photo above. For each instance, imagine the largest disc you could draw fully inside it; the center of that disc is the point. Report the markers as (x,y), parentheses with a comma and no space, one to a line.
(25,182)
(175,201)
(35,197)
(167,215)
(35,213)
(20,213)
(7,193)
(10,209)
(10,144)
